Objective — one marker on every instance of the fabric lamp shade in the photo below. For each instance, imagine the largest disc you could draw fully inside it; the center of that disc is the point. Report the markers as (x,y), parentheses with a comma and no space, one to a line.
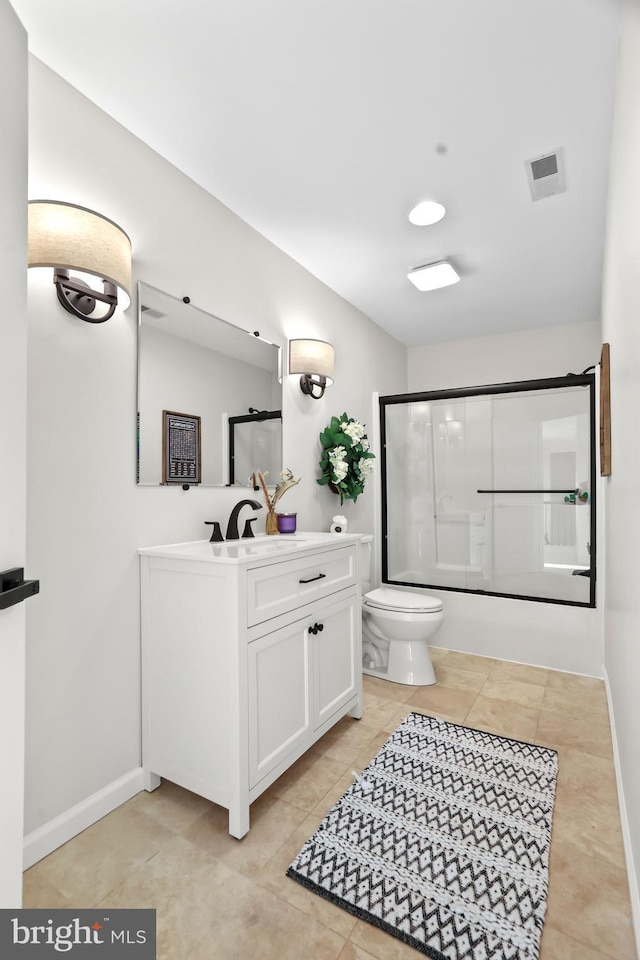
(69,237)
(312,357)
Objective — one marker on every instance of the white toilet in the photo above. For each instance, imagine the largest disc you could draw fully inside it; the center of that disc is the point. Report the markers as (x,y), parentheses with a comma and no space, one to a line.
(396,628)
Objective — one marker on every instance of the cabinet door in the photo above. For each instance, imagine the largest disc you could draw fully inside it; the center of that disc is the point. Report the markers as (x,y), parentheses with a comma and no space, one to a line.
(336,655)
(279,696)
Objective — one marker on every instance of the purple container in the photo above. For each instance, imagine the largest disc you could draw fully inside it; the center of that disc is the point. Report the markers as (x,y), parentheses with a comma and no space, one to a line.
(287,522)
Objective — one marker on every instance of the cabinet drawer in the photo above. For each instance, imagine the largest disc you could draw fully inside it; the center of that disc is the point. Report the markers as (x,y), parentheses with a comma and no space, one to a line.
(281,587)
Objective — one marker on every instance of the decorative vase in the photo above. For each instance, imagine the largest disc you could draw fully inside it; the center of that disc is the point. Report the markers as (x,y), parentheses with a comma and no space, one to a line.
(271,523)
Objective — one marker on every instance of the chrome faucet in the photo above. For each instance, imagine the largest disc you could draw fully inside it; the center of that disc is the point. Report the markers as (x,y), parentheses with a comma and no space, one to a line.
(232,526)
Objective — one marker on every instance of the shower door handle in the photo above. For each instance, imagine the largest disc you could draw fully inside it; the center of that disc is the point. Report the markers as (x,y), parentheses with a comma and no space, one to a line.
(573,490)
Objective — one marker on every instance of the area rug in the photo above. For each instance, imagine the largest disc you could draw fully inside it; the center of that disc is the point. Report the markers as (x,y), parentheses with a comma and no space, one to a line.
(443,842)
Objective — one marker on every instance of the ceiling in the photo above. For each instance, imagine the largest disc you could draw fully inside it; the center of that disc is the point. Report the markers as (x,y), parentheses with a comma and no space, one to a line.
(322,122)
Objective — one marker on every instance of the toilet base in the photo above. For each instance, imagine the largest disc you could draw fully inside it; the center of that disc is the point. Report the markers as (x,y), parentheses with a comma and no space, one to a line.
(409,663)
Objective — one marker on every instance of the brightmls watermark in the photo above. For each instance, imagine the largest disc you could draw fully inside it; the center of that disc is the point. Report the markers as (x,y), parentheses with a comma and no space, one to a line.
(78,934)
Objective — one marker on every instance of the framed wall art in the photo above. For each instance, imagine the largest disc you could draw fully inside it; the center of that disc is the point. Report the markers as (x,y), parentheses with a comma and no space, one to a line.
(181,448)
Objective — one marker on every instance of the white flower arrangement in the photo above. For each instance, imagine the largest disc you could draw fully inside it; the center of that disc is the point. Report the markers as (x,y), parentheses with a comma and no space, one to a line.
(346,457)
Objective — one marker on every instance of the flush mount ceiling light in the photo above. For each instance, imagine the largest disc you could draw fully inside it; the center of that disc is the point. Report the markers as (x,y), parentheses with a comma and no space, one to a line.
(313,360)
(68,237)
(426,213)
(433,275)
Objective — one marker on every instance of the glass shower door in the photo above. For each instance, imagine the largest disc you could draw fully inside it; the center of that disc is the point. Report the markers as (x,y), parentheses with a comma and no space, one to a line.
(490,491)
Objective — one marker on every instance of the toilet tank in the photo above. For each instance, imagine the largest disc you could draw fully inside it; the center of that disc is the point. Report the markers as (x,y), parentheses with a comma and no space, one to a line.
(365,561)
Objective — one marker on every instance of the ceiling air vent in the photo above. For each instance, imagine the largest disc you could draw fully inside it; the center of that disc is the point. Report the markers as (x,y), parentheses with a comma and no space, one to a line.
(546,175)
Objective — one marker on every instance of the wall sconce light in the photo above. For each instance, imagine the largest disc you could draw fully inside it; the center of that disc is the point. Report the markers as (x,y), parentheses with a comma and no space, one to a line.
(313,360)
(67,237)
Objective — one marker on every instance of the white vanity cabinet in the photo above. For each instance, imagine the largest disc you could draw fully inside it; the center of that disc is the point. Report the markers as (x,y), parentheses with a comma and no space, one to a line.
(251,651)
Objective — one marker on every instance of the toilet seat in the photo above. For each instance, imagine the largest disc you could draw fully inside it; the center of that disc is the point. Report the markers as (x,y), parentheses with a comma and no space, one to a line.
(386,598)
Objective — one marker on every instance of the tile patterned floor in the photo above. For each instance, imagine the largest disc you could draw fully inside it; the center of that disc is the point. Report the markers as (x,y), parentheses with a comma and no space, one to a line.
(222,899)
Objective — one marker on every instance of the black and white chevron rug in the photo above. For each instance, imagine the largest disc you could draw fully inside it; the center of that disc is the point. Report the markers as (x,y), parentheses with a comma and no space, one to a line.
(443,842)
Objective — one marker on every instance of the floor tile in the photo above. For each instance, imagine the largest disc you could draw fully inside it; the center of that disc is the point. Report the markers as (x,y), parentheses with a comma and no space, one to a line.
(37,892)
(405,709)
(437,699)
(505,670)
(503,718)
(378,709)
(581,773)
(387,689)
(86,868)
(273,876)
(345,745)
(575,683)
(591,735)
(172,806)
(589,901)
(308,780)
(272,821)
(556,945)
(186,887)
(251,922)
(437,654)
(576,702)
(457,678)
(353,952)
(590,825)
(513,691)
(330,798)
(469,661)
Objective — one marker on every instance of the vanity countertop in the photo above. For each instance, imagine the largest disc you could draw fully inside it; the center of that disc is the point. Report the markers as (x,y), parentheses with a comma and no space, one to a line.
(251,548)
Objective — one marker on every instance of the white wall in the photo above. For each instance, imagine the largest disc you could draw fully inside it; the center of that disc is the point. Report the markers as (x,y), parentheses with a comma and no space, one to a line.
(548,635)
(505,358)
(86,517)
(621,328)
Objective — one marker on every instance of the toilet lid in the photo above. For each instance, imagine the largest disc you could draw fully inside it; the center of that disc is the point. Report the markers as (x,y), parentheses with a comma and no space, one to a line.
(386,598)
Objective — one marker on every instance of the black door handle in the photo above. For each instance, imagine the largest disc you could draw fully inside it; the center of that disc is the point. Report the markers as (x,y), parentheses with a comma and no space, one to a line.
(316,628)
(311,579)
(14,588)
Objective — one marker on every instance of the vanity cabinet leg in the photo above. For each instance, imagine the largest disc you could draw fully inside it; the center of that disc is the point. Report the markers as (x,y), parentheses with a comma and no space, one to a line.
(239,822)
(151,781)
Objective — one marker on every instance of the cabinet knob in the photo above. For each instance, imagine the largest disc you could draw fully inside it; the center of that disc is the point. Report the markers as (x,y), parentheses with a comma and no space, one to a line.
(316,628)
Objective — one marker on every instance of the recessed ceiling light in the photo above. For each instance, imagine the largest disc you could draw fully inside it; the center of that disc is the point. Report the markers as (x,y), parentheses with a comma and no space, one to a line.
(433,275)
(426,213)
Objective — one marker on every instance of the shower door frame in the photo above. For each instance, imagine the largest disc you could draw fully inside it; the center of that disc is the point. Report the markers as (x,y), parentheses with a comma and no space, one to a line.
(460,393)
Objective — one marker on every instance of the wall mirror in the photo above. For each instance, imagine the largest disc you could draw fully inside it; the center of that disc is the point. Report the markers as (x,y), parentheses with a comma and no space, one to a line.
(209,397)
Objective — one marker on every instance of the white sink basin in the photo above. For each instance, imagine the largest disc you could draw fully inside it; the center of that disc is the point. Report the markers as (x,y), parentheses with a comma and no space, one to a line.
(232,550)
(255,547)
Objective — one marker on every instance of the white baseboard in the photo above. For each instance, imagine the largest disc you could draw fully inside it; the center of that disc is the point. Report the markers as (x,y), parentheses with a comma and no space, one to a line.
(624,822)
(69,824)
